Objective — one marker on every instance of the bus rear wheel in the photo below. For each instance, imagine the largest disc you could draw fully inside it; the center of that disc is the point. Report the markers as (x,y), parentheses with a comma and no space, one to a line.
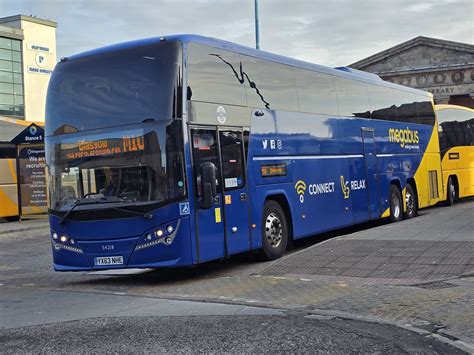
(274,231)
(451,198)
(411,202)
(396,208)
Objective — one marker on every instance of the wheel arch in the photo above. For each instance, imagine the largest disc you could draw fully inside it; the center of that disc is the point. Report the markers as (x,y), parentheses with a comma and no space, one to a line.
(397,183)
(281,198)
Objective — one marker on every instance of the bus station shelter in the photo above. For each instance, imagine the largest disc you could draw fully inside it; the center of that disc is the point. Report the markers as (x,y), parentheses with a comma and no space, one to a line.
(23,192)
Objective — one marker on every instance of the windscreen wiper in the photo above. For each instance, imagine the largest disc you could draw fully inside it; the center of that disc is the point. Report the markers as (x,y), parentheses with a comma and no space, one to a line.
(65,217)
(138,213)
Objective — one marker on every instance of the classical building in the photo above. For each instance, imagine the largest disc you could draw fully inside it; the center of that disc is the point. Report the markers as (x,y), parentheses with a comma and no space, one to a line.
(444,68)
(27,59)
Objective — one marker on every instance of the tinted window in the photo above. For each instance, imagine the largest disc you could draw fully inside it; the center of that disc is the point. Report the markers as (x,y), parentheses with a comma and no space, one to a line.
(5,54)
(137,165)
(382,103)
(232,159)
(115,88)
(352,97)
(6,99)
(215,76)
(316,92)
(6,65)
(392,104)
(407,107)
(6,88)
(5,43)
(448,115)
(269,85)
(456,128)
(6,76)
(10,77)
(425,111)
(205,150)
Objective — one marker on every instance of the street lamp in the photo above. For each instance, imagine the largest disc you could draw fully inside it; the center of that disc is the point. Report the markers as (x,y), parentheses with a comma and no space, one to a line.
(257,32)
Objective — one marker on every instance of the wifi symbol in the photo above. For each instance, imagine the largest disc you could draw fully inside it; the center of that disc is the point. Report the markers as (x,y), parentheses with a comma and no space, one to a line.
(300,187)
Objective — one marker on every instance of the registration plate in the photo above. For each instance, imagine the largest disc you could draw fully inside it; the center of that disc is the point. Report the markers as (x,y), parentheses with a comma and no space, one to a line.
(109,260)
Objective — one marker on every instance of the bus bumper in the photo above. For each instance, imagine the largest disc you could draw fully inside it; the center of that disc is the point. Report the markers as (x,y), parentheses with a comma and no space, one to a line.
(168,248)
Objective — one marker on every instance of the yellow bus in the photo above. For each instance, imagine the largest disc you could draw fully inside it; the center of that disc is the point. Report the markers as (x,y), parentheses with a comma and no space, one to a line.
(456,141)
(8,182)
(9,129)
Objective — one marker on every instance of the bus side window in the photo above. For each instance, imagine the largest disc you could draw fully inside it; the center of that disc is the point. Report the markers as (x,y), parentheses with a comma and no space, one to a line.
(232,159)
(204,150)
(353,99)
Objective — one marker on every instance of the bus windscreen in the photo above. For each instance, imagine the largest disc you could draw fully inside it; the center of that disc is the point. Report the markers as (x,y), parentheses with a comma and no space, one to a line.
(115,88)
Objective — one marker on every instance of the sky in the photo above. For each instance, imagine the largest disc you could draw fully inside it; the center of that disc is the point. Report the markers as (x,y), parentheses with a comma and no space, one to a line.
(327,32)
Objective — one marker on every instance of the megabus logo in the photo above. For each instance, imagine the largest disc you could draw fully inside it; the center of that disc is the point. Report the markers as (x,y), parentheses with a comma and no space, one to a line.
(405,137)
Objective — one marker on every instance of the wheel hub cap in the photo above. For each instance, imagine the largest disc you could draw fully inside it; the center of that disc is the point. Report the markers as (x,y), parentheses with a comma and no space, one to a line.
(396,206)
(273,230)
(410,201)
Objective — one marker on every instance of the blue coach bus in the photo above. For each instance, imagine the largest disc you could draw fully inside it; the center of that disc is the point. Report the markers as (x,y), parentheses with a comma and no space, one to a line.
(178,150)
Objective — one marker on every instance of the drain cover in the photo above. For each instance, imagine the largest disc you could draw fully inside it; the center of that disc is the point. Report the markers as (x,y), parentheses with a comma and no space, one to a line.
(435,285)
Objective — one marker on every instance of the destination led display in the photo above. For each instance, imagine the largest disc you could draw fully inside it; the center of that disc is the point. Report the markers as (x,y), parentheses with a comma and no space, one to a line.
(103,147)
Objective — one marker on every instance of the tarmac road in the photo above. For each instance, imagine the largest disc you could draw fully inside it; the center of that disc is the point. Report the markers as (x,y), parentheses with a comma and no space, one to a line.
(218,334)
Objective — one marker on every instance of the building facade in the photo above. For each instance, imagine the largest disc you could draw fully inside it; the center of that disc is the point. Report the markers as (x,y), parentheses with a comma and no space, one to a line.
(444,68)
(27,59)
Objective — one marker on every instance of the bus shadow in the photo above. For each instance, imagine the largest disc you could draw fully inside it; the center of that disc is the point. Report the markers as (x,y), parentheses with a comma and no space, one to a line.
(245,264)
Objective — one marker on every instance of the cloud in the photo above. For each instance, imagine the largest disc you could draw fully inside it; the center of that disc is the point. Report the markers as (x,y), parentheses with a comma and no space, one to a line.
(331,33)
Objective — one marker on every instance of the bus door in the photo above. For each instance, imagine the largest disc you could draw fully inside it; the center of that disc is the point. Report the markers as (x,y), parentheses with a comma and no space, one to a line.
(223,228)
(234,181)
(370,158)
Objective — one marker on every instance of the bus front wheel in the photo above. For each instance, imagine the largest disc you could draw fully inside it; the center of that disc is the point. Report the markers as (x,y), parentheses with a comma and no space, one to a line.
(396,208)
(274,231)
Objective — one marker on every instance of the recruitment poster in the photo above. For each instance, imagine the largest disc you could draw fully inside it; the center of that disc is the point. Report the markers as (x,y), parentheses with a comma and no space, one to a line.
(32,176)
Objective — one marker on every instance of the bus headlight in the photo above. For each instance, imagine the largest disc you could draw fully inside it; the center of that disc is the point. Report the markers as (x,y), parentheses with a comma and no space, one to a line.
(63,239)
(164,235)
(55,236)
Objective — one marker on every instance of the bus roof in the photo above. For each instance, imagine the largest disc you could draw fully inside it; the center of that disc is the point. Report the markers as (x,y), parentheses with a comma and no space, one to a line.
(257,53)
